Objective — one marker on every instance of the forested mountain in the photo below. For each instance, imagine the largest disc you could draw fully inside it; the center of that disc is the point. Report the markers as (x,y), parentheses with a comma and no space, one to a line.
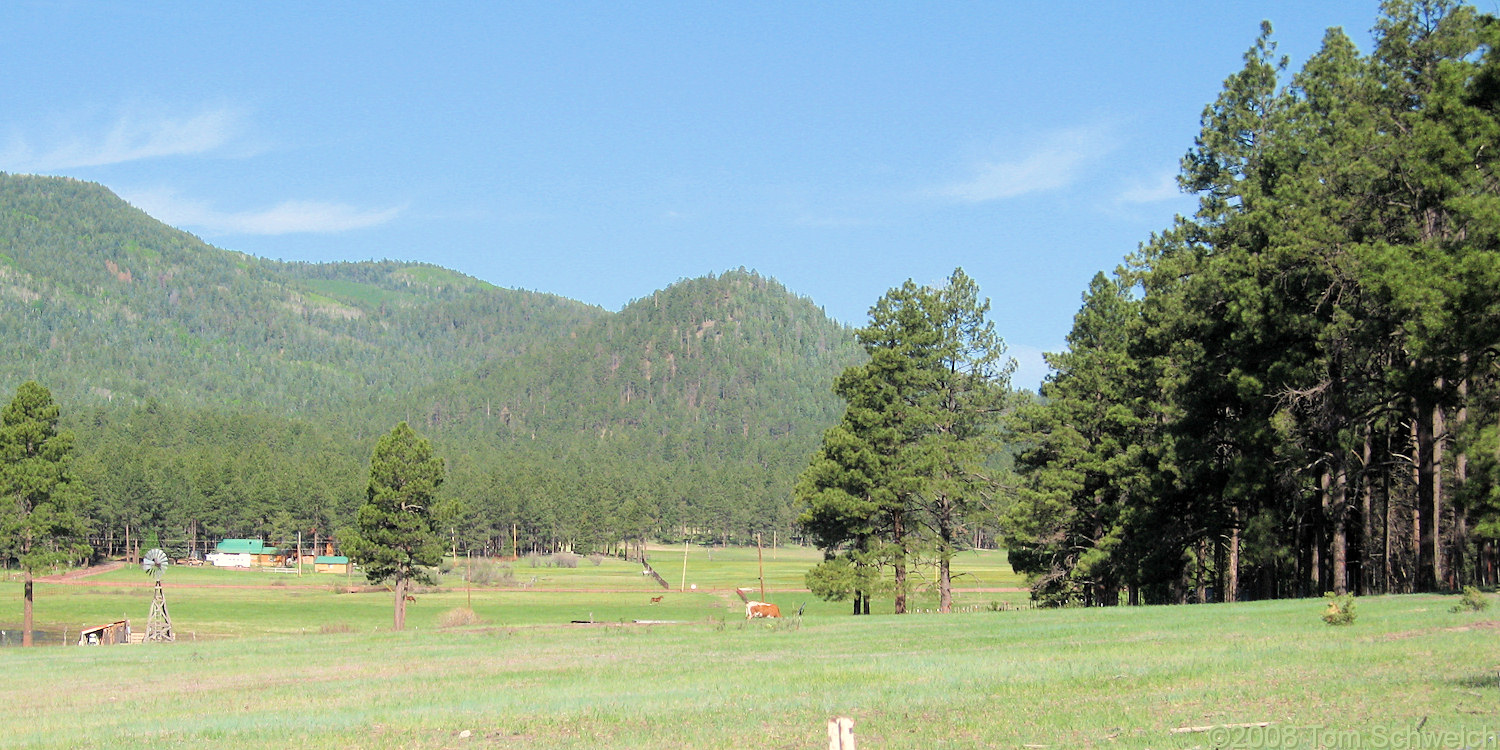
(215,393)
(107,302)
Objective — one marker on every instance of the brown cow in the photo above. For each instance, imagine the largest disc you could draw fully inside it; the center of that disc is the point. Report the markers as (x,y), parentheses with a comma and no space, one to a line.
(656,600)
(761,609)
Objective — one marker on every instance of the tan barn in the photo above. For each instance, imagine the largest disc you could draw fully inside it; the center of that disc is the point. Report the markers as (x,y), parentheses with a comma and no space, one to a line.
(331,564)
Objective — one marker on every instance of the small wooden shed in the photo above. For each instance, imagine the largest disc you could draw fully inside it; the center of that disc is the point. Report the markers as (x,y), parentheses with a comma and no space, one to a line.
(117,632)
(330,564)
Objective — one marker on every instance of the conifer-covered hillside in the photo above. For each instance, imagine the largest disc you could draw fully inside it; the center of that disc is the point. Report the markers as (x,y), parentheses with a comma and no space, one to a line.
(221,390)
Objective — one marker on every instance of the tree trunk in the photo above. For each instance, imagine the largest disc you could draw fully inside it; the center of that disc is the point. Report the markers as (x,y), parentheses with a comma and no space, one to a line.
(1338,500)
(1429,500)
(1439,445)
(1232,578)
(945,557)
(400,603)
(1200,581)
(1385,520)
(26,617)
(898,534)
(945,585)
(1367,527)
(1460,477)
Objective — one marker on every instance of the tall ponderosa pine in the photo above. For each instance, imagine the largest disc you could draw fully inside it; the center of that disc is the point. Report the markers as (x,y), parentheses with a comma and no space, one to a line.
(968,390)
(1311,350)
(906,456)
(394,539)
(1069,526)
(39,526)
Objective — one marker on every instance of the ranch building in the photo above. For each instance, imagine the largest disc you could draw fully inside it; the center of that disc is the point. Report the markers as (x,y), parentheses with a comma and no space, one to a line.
(106,635)
(244,553)
(331,564)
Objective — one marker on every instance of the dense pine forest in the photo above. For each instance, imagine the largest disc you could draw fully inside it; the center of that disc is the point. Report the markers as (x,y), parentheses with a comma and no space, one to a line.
(216,394)
(1294,390)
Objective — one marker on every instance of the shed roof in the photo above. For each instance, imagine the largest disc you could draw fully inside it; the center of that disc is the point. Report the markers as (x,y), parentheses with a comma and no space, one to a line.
(97,628)
(330,560)
(241,546)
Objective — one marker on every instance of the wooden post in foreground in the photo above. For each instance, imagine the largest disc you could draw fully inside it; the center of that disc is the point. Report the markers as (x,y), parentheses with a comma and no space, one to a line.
(841,733)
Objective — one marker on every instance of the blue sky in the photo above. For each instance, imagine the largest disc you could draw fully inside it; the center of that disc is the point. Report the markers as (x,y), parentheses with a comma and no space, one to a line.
(601,151)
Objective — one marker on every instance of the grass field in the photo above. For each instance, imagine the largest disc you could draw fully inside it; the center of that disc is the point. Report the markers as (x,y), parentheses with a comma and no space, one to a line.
(207,603)
(1117,677)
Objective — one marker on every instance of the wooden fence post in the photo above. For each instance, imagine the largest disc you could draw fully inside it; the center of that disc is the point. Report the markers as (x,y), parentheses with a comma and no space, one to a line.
(841,733)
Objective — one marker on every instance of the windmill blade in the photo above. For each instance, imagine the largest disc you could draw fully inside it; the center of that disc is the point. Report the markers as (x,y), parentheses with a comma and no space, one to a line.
(154,562)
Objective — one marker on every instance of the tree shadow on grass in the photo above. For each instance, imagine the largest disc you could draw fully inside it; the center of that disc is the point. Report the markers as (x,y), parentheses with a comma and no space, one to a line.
(1482,681)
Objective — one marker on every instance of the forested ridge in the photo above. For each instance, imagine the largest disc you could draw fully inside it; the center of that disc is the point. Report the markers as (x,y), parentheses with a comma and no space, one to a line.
(1295,389)
(219,394)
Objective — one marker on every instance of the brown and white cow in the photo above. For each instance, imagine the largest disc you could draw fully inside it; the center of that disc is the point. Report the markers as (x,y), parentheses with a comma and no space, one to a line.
(761,609)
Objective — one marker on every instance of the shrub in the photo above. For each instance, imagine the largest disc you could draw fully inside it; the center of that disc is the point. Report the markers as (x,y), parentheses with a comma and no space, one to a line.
(336,627)
(486,572)
(457,618)
(565,560)
(1473,600)
(1340,609)
(446,566)
(533,560)
(596,559)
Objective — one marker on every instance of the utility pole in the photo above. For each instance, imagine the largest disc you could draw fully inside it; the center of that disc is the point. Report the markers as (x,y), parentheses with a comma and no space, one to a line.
(299,553)
(684,560)
(761,563)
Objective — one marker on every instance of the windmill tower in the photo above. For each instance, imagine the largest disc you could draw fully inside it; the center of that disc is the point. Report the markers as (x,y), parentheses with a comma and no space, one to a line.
(159,624)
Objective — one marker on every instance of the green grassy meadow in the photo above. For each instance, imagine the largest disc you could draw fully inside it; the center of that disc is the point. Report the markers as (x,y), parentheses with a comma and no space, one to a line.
(301,666)
(207,603)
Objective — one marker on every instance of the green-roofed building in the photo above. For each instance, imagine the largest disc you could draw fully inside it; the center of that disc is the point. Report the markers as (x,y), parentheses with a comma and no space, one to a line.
(330,564)
(244,553)
(240,546)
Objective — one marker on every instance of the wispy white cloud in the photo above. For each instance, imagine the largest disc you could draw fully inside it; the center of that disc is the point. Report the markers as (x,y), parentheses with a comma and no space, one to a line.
(1053,162)
(133,135)
(1163,187)
(287,217)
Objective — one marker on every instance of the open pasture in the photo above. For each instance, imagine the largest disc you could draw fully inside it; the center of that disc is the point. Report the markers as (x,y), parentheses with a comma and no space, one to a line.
(1117,678)
(207,602)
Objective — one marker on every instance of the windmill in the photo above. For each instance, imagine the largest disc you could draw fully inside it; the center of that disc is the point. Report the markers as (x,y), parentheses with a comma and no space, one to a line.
(159,624)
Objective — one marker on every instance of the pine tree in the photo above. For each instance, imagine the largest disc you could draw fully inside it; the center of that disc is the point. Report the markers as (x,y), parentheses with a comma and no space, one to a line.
(906,455)
(394,539)
(1081,464)
(39,526)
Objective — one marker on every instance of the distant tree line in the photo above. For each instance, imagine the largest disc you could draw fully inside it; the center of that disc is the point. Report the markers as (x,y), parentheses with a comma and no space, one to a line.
(1294,390)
